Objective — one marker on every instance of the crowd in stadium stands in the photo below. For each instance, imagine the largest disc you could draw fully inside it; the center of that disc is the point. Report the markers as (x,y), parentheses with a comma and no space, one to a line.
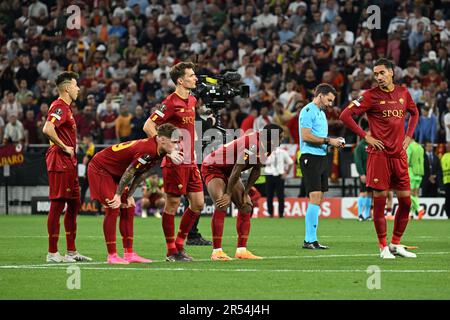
(123,52)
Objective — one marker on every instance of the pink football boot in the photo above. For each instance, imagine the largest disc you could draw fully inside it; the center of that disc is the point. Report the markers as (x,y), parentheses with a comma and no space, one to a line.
(133,257)
(115,259)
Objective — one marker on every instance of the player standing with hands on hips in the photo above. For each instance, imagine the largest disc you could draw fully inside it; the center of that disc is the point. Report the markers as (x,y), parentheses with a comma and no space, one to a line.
(61,161)
(387,165)
(314,141)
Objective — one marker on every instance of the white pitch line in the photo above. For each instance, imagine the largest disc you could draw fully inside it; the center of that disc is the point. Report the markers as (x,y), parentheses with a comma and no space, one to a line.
(225,237)
(56,265)
(245,270)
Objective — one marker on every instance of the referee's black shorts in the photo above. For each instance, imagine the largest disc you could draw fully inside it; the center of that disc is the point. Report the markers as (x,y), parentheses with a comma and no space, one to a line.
(315,172)
(362,186)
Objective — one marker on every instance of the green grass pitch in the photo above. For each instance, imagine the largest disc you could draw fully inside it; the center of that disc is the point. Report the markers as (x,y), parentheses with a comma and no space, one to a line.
(287,272)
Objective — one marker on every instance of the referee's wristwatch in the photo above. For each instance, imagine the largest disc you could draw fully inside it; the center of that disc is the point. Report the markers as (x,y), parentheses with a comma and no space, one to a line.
(326,141)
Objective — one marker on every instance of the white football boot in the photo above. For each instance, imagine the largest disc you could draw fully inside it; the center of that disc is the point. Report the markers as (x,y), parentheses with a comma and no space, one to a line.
(54,257)
(385,253)
(75,256)
(400,250)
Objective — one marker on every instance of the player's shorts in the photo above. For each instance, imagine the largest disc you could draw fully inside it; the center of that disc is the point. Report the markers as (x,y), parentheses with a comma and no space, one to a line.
(63,184)
(180,180)
(384,172)
(416,181)
(211,172)
(102,185)
(315,172)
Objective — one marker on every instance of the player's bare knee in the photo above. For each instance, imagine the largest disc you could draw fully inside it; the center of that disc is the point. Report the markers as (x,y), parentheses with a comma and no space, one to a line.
(246,208)
(315,198)
(171,207)
(198,206)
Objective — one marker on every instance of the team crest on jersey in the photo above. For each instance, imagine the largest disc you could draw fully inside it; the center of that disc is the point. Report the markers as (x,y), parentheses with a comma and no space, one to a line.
(401,100)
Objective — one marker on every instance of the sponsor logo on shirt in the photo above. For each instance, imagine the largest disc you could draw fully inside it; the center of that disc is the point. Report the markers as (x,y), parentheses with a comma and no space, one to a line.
(187,120)
(397,113)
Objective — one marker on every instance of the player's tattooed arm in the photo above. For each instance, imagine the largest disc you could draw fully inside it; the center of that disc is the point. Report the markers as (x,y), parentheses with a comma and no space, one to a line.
(138,179)
(126,178)
(254,175)
(124,182)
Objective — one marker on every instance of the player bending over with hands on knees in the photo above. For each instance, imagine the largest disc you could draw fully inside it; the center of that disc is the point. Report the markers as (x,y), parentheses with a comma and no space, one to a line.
(116,172)
(221,171)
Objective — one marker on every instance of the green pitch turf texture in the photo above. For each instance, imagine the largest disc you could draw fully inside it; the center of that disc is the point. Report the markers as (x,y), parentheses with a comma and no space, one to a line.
(287,272)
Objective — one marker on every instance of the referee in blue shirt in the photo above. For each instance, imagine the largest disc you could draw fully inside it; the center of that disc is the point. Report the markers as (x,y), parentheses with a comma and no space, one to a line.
(314,141)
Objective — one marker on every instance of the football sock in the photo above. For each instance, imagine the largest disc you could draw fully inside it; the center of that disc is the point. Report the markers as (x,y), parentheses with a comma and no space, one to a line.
(168,224)
(401,219)
(311,222)
(187,221)
(217,222)
(109,229)
(361,203)
(243,228)
(379,219)
(126,228)
(56,208)
(367,207)
(70,223)
(415,204)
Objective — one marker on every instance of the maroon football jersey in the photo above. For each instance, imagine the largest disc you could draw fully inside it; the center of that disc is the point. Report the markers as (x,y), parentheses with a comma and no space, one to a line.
(143,154)
(246,149)
(386,112)
(181,113)
(61,116)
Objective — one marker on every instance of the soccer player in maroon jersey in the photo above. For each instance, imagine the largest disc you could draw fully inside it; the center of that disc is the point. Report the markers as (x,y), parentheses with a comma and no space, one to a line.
(184,179)
(387,167)
(112,170)
(61,161)
(221,171)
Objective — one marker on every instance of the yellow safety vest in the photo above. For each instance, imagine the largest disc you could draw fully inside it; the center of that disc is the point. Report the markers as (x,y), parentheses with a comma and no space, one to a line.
(445,163)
